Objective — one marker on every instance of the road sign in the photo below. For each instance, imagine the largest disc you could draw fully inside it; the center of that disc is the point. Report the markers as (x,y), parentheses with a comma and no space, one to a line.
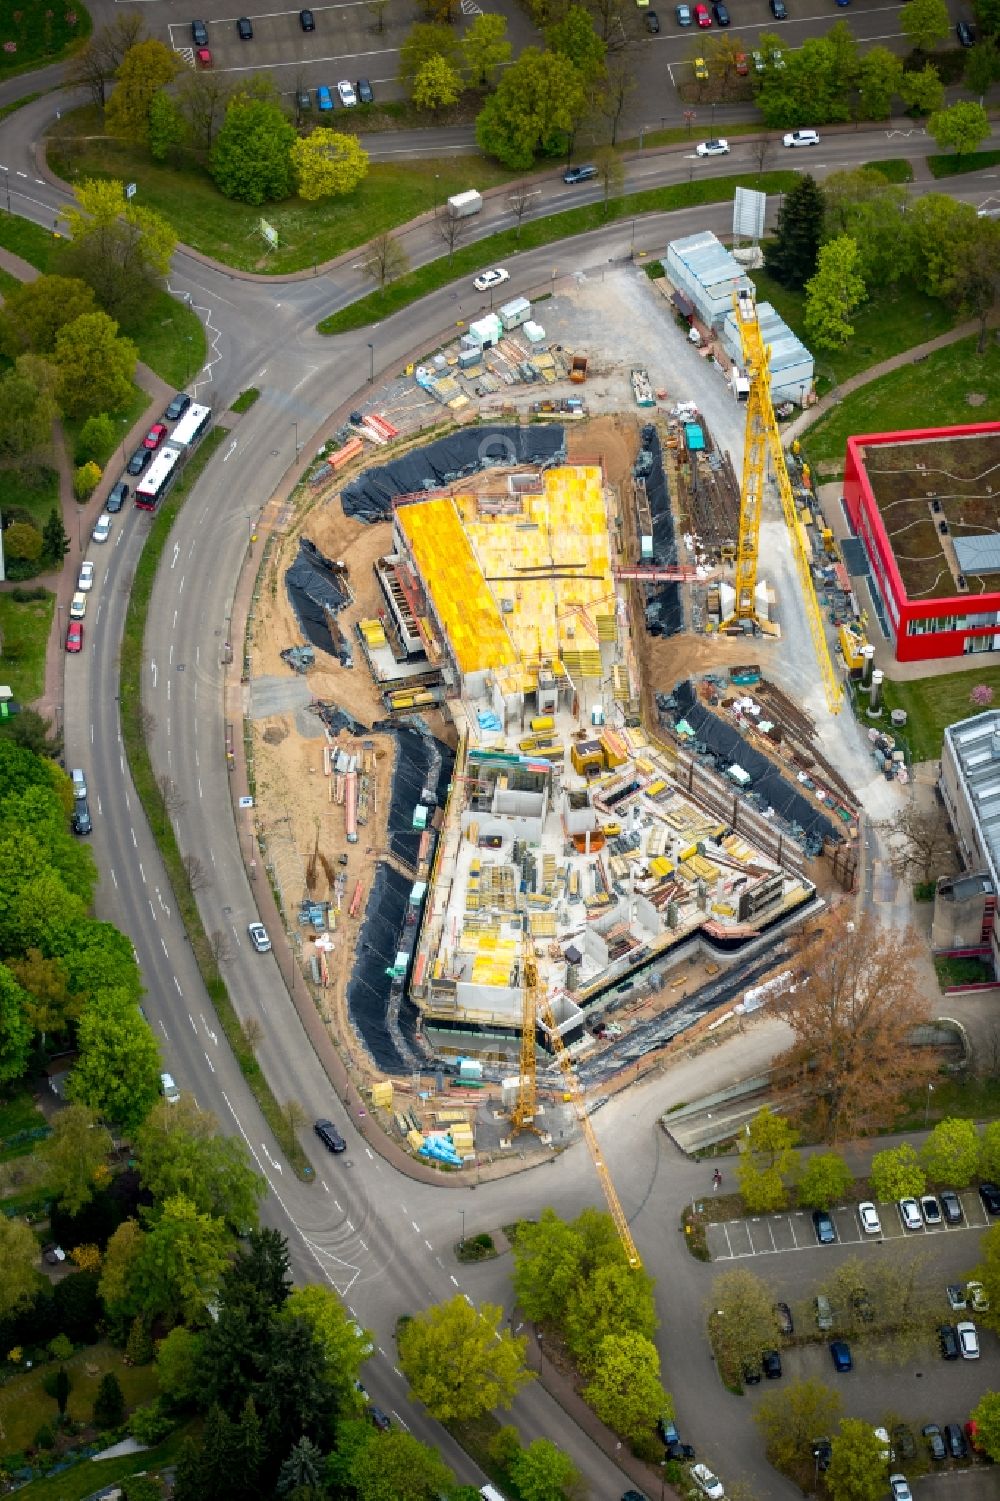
(130,190)
(246,802)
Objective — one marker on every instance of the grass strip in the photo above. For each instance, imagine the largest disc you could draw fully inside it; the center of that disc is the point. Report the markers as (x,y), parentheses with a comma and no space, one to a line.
(24,630)
(244,400)
(535,232)
(8,109)
(894,168)
(144,777)
(969,161)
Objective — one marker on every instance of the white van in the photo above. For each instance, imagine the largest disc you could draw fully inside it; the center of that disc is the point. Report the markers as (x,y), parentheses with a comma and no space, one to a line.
(79,783)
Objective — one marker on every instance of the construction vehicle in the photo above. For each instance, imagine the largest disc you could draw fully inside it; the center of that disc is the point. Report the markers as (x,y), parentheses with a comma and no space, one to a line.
(763,441)
(536,1003)
(578,368)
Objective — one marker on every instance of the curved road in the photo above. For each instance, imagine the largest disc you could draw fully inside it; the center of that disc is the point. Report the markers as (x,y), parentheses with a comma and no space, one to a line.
(383,1241)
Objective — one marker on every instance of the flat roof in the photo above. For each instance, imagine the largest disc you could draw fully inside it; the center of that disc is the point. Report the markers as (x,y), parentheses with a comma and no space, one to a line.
(975,743)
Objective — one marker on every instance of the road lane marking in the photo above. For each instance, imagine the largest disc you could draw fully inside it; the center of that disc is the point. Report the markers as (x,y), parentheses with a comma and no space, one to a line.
(415,1226)
(209,1062)
(454,1279)
(194,1025)
(399,1420)
(178,984)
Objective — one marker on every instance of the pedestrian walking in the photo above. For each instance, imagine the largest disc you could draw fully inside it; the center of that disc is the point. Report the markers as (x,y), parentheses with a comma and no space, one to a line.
(716,1181)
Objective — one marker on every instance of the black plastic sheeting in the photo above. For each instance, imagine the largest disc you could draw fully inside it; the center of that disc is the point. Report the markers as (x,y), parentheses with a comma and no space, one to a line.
(664,612)
(388,1036)
(315,593)
(722,744)
(423,764)
(466,451)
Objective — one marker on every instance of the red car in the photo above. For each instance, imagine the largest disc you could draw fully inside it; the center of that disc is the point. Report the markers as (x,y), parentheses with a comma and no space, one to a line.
(74,636)
(204,56)
(702,16)
(155,436)
(741,65)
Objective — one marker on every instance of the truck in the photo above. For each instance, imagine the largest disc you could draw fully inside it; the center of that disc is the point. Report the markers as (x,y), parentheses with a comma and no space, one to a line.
(578,368)
(462,205)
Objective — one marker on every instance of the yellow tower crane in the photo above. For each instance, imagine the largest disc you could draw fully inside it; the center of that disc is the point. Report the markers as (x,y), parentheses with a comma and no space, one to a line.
(536,1004)
(762,441)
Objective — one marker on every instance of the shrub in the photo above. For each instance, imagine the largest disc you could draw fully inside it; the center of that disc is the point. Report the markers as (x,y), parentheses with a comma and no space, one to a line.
(23,542)
(45,1438)
(60,1348)
(86,480)
(149,1424)
(98,436)
(109,1404)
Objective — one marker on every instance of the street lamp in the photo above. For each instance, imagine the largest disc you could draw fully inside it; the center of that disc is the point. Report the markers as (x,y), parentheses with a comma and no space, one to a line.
(124,423)
(437,179)
(295,429)
(927,1107)
(462,1241)
(371,364)
(6,178)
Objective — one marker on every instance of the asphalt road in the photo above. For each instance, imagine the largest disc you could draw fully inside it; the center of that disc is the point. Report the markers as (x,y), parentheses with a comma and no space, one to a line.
(385,1243)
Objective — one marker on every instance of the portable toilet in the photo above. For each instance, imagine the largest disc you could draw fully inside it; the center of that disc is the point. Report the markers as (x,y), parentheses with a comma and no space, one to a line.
(515,312)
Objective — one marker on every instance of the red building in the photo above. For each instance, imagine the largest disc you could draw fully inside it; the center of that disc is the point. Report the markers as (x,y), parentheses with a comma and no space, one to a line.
(925,506)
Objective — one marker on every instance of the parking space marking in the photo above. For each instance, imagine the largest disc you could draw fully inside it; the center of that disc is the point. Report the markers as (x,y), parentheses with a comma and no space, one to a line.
(746,1237)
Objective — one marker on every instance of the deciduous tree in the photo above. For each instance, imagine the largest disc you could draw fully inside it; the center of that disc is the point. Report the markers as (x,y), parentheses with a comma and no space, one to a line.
(852,1011)
(742,1320)
(834,293)
(547,1267)
(920,843)
(116,1285)
(251,156)
(344,1346)
(117,1072)
(145,69)
(574,36)
(614,1298)
(922,91)
(117,246)
(459,1360)
(177,1358)
(424,41)
(617,88)
(961,127)
(791,1417)
(99,60)
(15,1025)
(982,66)
(769,1158)
(791,256)
(986,1416)
(20,1279)
(976,282)
(328,164)
(35,311)
(180,1266)
(542,1472)
(625,1389)
(924,23)
(203,98)
(181,1151)
(825,1179)
(27,408)
(396,1467)
(951,1153)
(538,103)
(988,1273)
(485,48)
(857,1468)
(879,76)
(385,260)
(896,1173)
(167,129)
(75,1156)
(438,85)
(610,172)
(861,203)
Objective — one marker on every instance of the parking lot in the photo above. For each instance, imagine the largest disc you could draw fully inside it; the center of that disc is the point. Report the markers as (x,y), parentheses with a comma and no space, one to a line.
(767,1235)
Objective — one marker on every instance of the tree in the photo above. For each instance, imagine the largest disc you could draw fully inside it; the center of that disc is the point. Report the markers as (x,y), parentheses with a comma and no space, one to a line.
(982,66)
(459,1362)
(618,86)
(109,1403)
(767,1161)
(251,157)
(951,1153)
(962,126)
(896,1173)
(989,1149)
(98,62)
(833,294)
(203,98)
(943,232)
(424,41)
(178,1271)
(862,203)
(396,1467)
(625,1389)
(547,1267)
(852,1011)
(485,48)
(117,1274)
(98,435)
(247,1452)
(145,69)
(815,82)
(62,1389)
(825,1179)
(23,542)
(177,1372)
(922,92)
(139,1346)
(791,256)
(988,1273)
(301,1469)
(19,1277)
(181,1151)
(328,164)
(742,1321)
(790,1419)
(117,1072)
(44,981)
(610,172)
(438,85)
(542,1472)
(35,311)
(385,260)
(574,36)
(986,1416)
(920,842)
(86,479)
(15,1028)
(614,1298)
(74,1156)
(27,407)
(879,77)
(167,128)
(924,23)
(95,365)
(377,9)
(976,281)
(451,229)
(343,1345)
(537,105)
(518,199)
(857,1466)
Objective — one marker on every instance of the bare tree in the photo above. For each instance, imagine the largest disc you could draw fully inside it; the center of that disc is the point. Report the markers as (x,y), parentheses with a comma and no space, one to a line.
(611,172)
(760,153)
(386,260)
(293,1116)
(218,942)
(618,88)
(376,9)
(147,723)
(518,199)
(98,62)
(253,1033)
(195,871)
(450,228)
(607,16)
(852,1009)
(171,800)
(919,842)
(203,99)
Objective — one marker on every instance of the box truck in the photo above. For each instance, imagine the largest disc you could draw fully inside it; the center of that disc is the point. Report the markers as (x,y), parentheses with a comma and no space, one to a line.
(461,205)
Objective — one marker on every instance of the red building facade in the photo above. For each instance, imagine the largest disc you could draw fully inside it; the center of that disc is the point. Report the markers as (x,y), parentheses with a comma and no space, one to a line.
(957,626)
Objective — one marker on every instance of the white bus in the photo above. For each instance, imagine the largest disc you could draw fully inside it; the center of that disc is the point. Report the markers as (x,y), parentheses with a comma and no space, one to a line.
(156,481)
(192,426)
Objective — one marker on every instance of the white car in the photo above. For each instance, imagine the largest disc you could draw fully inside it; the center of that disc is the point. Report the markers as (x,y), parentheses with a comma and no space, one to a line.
(797,137)
(710,1485)
(102,528)
(900,1488)
(956,1297)
(78,607)
(348,97)
(976,1293)
(868,1215)
(86,579)
(258,937)
(909,1213)
(169,1089)
(364,1339)
(968,1339)
(712,148)
(494,278)
(882,1434)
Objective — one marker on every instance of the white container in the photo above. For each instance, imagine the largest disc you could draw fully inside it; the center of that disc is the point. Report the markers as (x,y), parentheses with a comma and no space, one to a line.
(461,205)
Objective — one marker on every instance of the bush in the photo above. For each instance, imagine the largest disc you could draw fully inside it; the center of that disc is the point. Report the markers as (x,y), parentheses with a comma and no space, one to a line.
(60,1348)
(28,596)
(149,1424)
(109,1404)
(98,437)
(23,542)
(85,480)
(45,1438)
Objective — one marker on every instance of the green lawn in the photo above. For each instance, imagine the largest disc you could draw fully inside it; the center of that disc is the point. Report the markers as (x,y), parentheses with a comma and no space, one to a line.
(935,389)
(895,168)
(545,231)
(38,498)
(308,233)
(38,33)
(91,1475)
(19,1118)
(30,241)
(123,421)
(972,161)
(962,1095)
(24,1406)
(25,632)
(933,703)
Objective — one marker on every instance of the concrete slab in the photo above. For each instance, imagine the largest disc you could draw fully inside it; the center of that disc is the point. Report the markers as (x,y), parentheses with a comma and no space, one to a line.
(274,695)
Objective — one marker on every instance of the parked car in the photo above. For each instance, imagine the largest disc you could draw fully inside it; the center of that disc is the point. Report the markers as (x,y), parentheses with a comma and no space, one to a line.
(935,1443)
(824,1227)
(930,1209)
(909,1213)
(74,637)
(972,1437)
(86,579)
(990,1195)
(710,1485)
(199,33)
(177,407)
(701,16)
(720,12)
(579,174)
(968,1339)
(956,1297)
(204,56)
(244,29)
(378,1417)
(741,65)
(951,1207)
(948,1341)
(796,137)
(138,461)
(168,1089)
(822,1450)
(885,1448)
(966,34)
(680,1451)
(712,148)
(974,1291)
(117,496)
(494,278)
(784,1316)
(771,1361)
(824,1313)
(757,58)
(258,937)
(778,10)
(348,97)
(652,22)
(78,605)
(155,436)
(863,1306)
(840,1352)
(900,1489)
(324,99)
(303,100)
(307,20)
(81,822)
(102,528)
(366,94)
(868,1215)
(700,69)
(954,1440)
(330,1136)
(777,60)
(682,14)
(904,1445)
